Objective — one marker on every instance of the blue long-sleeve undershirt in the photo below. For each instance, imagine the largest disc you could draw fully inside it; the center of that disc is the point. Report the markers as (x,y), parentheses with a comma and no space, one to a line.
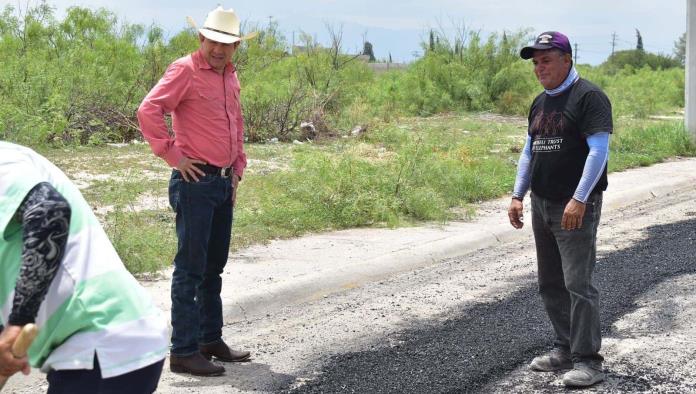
(592,172)
(523,170)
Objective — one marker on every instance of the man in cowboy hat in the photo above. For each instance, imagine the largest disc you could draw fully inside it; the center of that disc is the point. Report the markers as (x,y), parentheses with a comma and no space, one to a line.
(565,162)
(201,92)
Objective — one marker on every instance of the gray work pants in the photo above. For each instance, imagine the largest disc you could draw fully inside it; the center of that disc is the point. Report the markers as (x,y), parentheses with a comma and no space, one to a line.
(566,259)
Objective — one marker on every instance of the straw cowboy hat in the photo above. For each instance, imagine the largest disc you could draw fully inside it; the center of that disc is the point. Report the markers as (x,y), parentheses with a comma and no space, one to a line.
(222,26)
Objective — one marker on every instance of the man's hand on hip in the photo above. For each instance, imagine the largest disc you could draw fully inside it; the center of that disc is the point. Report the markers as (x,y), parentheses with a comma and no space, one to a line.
(188,169)
(572,215)
(9,364)
(515,213)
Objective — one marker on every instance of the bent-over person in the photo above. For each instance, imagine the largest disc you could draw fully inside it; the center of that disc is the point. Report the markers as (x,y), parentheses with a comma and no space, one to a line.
(99,330)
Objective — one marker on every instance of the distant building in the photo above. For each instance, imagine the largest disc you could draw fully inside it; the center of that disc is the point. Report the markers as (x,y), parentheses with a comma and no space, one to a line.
(300,49)
(378,67)
(384,67)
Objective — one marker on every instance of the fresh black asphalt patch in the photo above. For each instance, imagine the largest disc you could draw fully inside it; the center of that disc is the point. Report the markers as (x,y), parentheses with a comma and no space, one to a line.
(481,343)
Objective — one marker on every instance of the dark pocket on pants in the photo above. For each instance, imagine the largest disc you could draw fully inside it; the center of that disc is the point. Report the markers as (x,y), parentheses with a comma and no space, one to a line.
(174,192)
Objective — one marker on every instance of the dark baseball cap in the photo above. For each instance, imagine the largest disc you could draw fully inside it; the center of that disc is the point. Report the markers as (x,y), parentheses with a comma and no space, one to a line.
(547,40)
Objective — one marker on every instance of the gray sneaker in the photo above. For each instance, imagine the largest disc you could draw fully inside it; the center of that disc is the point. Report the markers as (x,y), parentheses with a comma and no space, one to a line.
(583,374)
(554,360)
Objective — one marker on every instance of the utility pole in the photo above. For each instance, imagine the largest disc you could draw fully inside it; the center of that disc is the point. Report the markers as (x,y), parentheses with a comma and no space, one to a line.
(613,42)
(690,68)
(575,54)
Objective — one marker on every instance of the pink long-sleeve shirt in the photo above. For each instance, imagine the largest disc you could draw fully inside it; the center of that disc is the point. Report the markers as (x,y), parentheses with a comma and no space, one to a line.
(206,115)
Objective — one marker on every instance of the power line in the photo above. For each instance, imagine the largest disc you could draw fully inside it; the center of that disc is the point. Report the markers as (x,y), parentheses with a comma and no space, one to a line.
(576,53)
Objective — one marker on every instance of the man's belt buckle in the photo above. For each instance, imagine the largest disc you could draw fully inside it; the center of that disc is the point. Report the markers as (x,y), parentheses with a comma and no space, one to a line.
(225,172)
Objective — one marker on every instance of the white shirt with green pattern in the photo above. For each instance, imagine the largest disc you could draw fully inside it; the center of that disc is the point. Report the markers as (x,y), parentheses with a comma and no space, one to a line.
(94,305)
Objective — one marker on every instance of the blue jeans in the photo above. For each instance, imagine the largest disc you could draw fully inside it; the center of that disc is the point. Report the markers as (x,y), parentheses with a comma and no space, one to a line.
(203,228)
(90,381)
(566,260)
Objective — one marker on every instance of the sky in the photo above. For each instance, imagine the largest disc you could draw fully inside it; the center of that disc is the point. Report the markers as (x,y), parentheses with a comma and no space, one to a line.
(398,27)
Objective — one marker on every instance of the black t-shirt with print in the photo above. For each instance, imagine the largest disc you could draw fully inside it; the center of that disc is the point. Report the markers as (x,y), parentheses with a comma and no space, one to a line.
(559,126)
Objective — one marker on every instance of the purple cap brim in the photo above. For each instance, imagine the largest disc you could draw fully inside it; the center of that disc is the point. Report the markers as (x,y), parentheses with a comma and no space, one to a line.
(528,52)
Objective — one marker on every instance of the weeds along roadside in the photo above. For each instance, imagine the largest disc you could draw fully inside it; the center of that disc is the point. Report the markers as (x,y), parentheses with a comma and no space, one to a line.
(397,174)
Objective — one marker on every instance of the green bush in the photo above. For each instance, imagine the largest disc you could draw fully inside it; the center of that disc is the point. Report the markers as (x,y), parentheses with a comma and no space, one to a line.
(636,58)
(644,92)
(513,88)
(459,77)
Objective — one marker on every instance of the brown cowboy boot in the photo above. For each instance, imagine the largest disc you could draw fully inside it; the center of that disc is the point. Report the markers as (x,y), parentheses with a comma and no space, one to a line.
(194,364)
(222,352)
